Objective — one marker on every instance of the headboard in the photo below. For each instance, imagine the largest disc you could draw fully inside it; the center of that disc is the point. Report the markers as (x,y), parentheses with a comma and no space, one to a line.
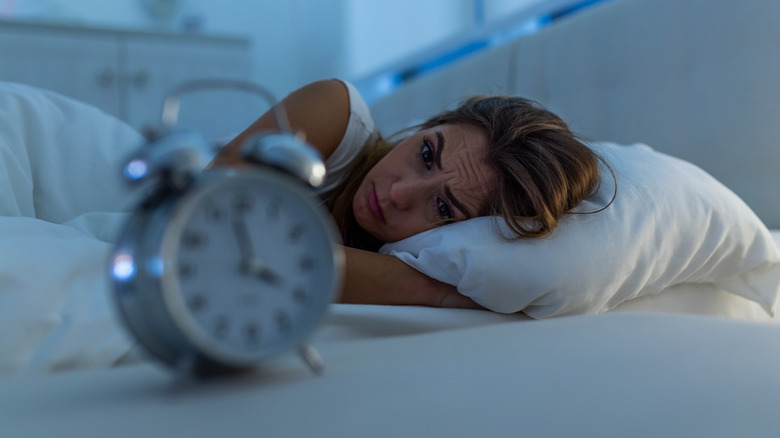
(698,79)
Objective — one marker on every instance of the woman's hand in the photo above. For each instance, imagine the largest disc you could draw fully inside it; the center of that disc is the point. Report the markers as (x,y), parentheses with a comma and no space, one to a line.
(372,278)
(319,110)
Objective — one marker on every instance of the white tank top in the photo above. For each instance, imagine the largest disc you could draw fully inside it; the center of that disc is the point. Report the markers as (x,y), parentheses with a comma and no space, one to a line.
(360,131)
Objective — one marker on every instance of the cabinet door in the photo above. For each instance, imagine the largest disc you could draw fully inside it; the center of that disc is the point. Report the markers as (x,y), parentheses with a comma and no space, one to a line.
(76,64)
(156,65)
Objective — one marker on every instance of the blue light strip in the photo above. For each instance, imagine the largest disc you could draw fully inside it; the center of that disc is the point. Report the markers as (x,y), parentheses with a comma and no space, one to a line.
(384,83)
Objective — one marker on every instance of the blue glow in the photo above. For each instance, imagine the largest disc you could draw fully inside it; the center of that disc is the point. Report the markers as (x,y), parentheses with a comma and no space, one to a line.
(123,267)
(136,169)
(155,266)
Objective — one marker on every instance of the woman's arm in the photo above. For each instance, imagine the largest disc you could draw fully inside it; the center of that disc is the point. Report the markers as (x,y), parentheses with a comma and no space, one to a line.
(372,278)
(319,110)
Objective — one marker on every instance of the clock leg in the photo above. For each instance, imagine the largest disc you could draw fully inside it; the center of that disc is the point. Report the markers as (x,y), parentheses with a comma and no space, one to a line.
(312,357)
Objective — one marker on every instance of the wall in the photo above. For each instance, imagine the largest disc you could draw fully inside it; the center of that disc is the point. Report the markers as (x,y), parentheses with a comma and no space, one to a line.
(297,41)
(294,41)
(383,32)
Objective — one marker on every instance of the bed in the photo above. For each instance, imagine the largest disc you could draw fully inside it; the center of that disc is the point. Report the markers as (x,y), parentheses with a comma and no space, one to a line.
(689,360)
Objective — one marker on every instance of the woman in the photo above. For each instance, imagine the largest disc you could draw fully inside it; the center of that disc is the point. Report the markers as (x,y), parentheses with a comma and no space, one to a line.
(501,156)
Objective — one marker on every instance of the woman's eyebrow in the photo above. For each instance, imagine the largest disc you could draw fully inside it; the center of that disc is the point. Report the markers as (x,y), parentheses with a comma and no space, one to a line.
(439,149)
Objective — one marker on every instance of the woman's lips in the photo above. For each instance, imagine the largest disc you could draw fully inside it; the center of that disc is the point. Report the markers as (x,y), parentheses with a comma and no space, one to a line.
(373,202)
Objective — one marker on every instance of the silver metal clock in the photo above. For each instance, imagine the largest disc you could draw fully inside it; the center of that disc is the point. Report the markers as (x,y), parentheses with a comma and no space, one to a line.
(217,270)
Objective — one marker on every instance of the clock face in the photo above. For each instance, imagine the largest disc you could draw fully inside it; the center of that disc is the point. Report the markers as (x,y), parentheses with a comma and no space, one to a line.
(250,266)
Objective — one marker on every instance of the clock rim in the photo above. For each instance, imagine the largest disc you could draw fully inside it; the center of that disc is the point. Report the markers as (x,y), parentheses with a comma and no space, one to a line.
(171,293)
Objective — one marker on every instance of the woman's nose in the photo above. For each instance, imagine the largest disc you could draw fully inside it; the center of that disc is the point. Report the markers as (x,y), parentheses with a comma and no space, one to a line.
(404,193)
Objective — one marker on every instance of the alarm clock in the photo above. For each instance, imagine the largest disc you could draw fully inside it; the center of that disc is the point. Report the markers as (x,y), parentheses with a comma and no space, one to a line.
(219,269)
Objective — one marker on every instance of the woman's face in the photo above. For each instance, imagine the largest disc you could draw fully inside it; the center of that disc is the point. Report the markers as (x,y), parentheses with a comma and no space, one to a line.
(433,177)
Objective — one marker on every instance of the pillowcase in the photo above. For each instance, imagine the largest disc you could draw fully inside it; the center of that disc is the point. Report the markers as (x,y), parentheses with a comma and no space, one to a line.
(670,223)
(60,157)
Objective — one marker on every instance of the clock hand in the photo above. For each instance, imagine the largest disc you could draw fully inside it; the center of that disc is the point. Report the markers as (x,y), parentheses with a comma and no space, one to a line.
(262,271)
(241,233)
(251,265)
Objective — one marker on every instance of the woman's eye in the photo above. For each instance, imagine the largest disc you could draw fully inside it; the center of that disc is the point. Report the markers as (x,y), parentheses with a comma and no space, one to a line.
(444,210)
(426,153)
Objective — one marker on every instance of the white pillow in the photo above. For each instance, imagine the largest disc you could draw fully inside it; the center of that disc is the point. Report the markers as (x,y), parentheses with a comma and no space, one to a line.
(60,158)
(670,223)
(61,201)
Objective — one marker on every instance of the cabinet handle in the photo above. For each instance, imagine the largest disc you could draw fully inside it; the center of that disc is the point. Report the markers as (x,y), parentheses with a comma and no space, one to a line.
(140,78)
(106,77)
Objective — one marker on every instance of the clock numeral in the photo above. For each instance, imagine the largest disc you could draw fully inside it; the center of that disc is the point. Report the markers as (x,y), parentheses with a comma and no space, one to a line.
(197,302)
(283,321)
(187,270)
(296,232)
(300,296)
(192,240)
(306,263)
(252,333)
(213,213)
(221,327)
(242,204)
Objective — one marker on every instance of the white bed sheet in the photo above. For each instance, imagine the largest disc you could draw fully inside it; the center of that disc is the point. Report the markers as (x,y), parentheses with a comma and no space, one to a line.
(613,374)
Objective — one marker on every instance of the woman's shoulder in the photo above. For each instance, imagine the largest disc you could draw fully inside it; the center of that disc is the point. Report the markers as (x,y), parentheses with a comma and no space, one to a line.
(358,108)
(360,132)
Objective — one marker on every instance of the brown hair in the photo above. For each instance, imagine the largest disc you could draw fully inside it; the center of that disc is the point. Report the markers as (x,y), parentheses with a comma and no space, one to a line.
(543,169)
(339,200)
